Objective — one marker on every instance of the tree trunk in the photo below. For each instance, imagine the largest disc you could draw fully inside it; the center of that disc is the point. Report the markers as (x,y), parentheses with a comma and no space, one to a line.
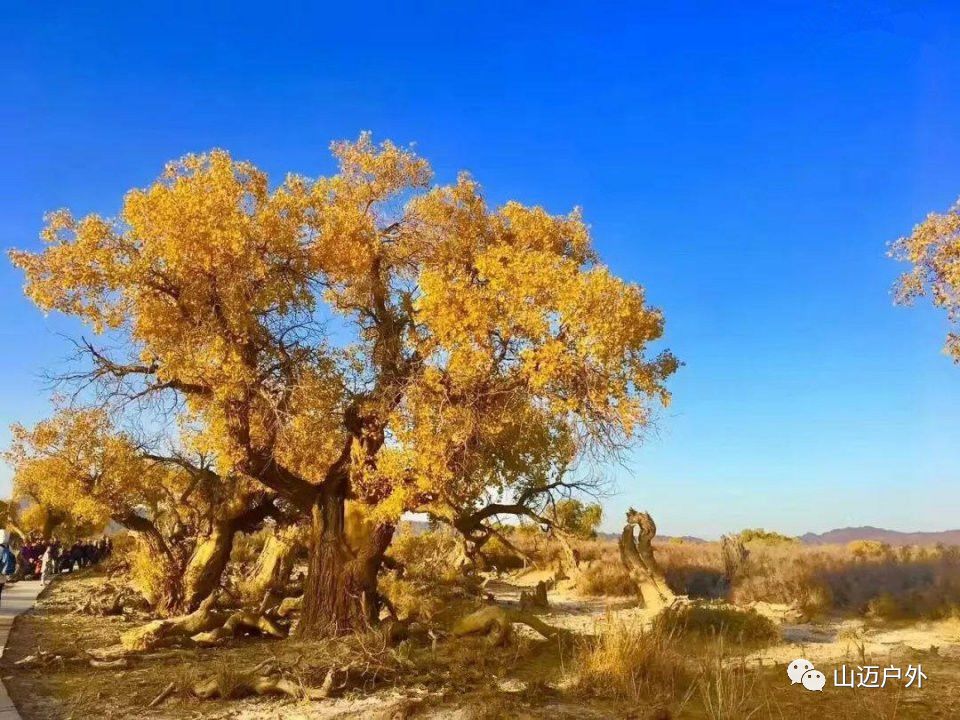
(274,564)
(341,588)
(155,573)
(206,565)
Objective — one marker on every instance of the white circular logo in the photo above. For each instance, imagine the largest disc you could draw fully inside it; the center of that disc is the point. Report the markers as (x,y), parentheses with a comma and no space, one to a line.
(797,668)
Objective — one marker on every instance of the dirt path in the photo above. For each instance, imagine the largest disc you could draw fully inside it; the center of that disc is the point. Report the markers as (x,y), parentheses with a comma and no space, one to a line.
(17,598)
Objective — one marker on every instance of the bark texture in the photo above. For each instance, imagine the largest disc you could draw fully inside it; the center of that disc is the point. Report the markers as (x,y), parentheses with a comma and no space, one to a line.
(341,587)
(636,553)
(271,572)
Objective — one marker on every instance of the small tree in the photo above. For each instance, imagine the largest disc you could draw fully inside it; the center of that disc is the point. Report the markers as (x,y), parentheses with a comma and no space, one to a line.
(78,471)
(576,517)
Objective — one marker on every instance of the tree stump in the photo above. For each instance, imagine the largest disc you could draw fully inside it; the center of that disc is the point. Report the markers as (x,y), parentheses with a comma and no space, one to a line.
(735,556)
(636,553)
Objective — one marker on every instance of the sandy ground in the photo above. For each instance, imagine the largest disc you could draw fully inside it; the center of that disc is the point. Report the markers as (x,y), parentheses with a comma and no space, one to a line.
(466,680)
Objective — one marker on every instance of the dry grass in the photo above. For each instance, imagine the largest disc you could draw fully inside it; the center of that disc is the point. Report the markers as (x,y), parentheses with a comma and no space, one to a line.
(720,622)
(729,691)
(626,662)
(607,578)
(248,546)
(865,578)
(687,665)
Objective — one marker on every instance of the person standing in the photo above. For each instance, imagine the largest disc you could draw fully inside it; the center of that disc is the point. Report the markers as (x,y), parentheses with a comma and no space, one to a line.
(8,565)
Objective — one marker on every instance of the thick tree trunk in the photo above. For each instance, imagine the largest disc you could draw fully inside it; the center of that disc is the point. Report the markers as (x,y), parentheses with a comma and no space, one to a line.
(332,603)
(274,564)
(341,588)
(206,565)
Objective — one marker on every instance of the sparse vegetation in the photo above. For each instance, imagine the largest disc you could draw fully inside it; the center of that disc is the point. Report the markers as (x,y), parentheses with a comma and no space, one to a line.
(717,622)
(630,663)
(296,369)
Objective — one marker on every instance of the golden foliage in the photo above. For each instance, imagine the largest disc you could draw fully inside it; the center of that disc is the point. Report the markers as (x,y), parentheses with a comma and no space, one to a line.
(73,463)
(933,248)
(465,349)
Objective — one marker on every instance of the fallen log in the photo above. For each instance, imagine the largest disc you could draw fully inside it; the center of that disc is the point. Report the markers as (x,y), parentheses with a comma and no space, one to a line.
(497,622)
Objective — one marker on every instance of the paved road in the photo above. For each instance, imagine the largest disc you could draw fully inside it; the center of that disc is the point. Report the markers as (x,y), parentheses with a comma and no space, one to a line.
(17,598)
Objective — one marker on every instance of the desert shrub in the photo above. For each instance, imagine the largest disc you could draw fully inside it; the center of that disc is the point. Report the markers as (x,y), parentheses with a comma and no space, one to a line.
(885,607)
(693,569)
(817,600)
(624,661)
(499,556)
(413,599)
(709,622)
(606,578)
(157,579)
(864,549)
(428,555)
(889,589)
(759,535)
(543,550)
(863,578)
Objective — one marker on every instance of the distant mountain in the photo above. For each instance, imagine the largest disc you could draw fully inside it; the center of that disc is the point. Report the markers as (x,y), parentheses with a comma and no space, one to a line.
(842,536)
(690,539)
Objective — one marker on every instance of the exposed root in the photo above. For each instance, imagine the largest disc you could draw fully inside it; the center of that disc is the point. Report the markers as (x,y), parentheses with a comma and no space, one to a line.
(161,633)
(236,625)
(496,623)
(290,605)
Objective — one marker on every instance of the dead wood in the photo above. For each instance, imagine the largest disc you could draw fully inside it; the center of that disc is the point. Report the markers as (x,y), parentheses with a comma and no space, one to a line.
(636,553)
(215,687)
(497,622)
(161,633)
(238,624)
(164,694)
(735,556)
(289,605)
(535,599)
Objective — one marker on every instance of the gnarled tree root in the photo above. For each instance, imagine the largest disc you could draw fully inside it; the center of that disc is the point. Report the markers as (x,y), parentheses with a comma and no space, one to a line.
(496,623)
(203,627)
(290,605)
(237,624)
(161,633)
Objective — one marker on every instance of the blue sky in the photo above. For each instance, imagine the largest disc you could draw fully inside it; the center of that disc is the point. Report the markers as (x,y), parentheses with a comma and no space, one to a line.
(747,166)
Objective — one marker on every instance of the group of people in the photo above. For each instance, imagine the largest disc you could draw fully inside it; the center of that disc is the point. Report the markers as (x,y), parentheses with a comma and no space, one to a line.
(45,559)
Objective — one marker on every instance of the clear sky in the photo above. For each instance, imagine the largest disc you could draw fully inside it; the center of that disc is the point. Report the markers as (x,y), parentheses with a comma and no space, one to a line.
(748,166)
